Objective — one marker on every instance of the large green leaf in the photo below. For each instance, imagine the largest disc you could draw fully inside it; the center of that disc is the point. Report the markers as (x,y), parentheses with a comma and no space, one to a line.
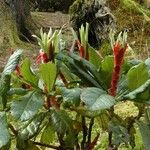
(107,69)
(48,74)
(94,57)
(30,129)
(48,135)
(60,121)
(71,97)
(12,62)
(86,71)
(96,99)
(136,77)
(4,133)
(134,95)
(27,73)
(27,106)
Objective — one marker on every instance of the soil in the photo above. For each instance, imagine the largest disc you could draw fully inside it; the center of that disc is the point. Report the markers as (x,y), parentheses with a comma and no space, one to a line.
(45,20)
(139,41)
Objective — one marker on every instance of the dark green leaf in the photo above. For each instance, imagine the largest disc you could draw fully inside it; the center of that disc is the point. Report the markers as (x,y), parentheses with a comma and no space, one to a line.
(17,91)
(12,62)
(86,71)
(120,133)
(60,121)
(4,88)
(96,99)
(27,73)
(30,129)
(27,106)
(4,133)
(71,97)
(48,74)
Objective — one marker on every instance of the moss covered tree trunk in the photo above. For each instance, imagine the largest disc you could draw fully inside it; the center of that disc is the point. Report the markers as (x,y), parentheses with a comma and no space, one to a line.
(20,10)
(99,17)
(8,30)
(15,22)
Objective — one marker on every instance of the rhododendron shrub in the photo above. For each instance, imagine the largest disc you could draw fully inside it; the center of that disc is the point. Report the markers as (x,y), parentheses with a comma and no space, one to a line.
(70,99)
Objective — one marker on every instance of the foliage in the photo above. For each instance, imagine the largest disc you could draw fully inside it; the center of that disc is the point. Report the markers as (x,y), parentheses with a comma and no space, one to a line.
(67,95)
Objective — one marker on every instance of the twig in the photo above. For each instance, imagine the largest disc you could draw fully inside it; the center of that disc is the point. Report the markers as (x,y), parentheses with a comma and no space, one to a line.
(15,132)
(84,130)
(45,145)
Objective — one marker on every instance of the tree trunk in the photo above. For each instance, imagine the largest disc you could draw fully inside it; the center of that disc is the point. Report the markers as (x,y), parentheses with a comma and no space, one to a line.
(99,17)
(8,30)
(20,10)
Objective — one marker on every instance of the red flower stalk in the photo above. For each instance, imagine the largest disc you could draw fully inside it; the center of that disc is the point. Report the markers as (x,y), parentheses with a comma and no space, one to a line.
(82,50)
(119,49)
(42,57)
(17,70)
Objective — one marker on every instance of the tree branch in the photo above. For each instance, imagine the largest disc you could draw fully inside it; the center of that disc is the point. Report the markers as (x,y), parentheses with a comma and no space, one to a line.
(14,131)
(45,145)
(84,131)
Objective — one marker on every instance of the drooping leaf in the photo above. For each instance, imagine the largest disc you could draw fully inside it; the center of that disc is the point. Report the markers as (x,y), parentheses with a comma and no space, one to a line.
(30,129)
(4,88)
(4,133)
(60,121)
(27,106)
(48,135)
(96,99)
(27,73)
(48,74)
(12,62)
(71,97)
(83,69)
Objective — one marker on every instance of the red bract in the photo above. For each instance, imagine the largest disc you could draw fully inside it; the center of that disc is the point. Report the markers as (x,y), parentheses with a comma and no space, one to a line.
(17,70)
(81,48)
(119,52)
(42,57)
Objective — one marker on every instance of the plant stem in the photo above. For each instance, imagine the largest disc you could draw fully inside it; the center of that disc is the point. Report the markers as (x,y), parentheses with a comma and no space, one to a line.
(90,131)
(84,130)
(45,145)
(15,132)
